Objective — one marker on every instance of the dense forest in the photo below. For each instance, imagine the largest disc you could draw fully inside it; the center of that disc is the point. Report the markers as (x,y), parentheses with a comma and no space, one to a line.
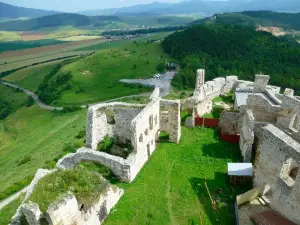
(255,18)
(224,50)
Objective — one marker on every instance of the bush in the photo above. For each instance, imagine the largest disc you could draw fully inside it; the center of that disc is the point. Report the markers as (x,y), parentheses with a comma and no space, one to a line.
(106,144)
(81,134)
(161,67)
(25,160)
(29,101)
(70,109)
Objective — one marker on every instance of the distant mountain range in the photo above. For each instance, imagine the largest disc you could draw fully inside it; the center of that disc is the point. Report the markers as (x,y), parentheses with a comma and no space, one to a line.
(63,19)
(205,7)
(157,8)
(14,12)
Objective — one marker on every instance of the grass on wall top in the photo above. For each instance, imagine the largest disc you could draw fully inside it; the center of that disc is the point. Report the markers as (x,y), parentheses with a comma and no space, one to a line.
(84,184)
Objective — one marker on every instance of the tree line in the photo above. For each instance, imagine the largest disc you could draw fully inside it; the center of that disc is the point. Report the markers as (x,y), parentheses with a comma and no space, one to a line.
(226,49)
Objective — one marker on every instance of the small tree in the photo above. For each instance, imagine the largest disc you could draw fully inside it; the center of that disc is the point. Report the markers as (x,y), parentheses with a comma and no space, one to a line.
(134,66)
(161,67)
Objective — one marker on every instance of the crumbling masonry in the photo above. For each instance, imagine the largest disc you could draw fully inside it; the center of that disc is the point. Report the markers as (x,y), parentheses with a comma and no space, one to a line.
(139,125)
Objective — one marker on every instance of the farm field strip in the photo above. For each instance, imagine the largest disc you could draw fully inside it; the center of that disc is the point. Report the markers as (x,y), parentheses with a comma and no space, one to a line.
(41,59)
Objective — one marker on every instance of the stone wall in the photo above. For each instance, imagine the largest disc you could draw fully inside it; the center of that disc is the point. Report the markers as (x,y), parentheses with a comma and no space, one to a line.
(261,83)
(277,165)
(262,109)
(229,122)
(98,125)
(67,211)
(145,131)
(247,135)
(170,119)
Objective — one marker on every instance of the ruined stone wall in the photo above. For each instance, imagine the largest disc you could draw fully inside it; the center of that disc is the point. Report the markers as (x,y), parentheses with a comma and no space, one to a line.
(170,119)
(229,122)
(276,163)
(123,118)
(66,210)
(145,129)
(261,82)
(247,135)
(262,109)
(97,126)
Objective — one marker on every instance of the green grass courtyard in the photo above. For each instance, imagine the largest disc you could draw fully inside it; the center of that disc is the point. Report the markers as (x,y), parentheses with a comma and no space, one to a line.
(170,188)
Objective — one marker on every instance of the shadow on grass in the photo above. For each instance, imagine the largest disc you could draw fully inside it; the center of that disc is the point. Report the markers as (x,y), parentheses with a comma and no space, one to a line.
(222,150)
(223,193)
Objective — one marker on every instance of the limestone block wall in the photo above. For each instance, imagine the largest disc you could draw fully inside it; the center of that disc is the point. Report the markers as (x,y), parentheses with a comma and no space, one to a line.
(261,82)
(97,126)
(229,122)
(262,109)
(290,110)
(66,210)
(38,175)
(145,131)
(170,119)
(247,135)
(115,163)
(273,167)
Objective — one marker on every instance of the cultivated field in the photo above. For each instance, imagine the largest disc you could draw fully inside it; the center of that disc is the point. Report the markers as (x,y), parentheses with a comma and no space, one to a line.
(17,59)
(9,36)
(79,38)
(32,36)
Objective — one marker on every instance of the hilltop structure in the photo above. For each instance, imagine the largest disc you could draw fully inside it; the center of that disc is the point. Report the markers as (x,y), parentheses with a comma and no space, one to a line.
(269,127)
(135,129)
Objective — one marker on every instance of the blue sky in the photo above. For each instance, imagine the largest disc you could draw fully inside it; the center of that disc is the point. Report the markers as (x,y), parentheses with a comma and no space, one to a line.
(77,5)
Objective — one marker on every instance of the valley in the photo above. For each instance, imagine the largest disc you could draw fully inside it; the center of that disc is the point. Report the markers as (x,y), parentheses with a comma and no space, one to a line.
(81,87)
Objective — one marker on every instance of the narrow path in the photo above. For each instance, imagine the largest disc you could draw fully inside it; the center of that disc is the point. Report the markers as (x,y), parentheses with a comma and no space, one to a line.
(11,198)
(33,95)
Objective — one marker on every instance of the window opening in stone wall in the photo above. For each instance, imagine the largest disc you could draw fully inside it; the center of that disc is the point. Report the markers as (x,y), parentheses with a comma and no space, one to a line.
(110,117)
(151,122)
(148,150)
(296,122)
(155,119)
(294,172)
(146,132)
(141,138)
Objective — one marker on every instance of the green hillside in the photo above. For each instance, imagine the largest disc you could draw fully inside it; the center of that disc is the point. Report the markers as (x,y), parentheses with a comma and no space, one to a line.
(63,19)
(224,50)
(14,12)
(255,18)
(96,78)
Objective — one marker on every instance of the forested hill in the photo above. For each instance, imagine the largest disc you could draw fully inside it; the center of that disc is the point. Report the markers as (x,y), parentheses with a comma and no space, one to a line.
(225,49)
(63,19)
(255,18)
(13,12)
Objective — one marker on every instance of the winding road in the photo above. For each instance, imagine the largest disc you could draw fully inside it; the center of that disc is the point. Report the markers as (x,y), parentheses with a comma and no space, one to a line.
(34,96)
(164,83)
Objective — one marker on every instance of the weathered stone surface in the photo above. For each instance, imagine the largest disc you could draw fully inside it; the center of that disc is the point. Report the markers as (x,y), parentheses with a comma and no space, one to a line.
(39,175)
(170,119)
(277,155)
(247,136)
(32,213)
(261,82)
(229,122)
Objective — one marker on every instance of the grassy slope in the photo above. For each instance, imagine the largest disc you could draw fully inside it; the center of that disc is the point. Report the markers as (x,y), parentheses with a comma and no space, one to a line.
(31,77)
(178,195)
(97,76)
(12,96)
(8,211)
(35,133)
